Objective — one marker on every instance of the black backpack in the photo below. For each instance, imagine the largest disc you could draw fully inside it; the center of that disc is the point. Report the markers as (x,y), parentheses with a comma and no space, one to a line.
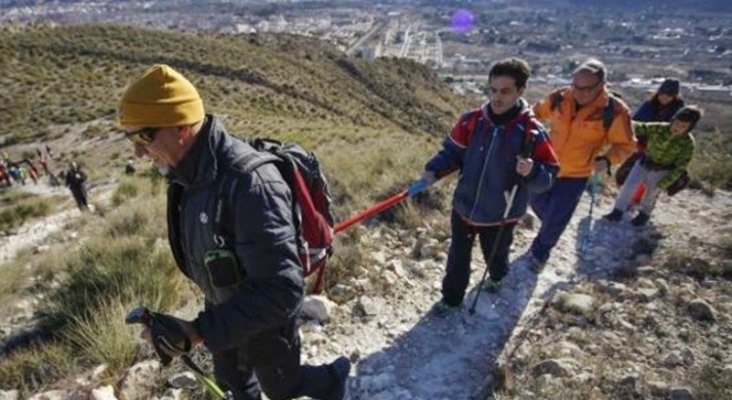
(608,112)
(311,206)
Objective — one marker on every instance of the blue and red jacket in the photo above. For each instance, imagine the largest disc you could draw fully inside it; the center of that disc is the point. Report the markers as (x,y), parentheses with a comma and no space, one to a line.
(486,155)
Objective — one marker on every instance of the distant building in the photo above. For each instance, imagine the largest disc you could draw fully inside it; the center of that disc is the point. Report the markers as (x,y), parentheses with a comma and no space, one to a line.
(713,92)
(366,52)
(244,28)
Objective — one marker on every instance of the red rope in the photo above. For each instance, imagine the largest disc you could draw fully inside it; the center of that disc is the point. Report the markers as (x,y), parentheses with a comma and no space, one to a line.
(371,211)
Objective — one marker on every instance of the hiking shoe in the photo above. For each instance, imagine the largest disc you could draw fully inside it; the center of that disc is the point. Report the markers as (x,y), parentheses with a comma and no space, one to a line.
(442,309)
(614,216)
(492,286)
(339,370)
(536,265)
(640,219)
(533,263)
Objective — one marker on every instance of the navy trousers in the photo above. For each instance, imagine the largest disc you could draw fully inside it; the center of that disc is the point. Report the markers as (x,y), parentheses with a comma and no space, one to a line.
(457,276)
(555,208)
(270,363)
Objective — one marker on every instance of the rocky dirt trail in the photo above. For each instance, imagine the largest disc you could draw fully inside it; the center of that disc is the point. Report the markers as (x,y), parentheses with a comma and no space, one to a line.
(35,232)
(406,353)
(39,236)
(401,351)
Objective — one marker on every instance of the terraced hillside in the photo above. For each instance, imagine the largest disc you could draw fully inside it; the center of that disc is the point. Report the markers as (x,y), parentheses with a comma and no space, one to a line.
(62,84)
(76,73)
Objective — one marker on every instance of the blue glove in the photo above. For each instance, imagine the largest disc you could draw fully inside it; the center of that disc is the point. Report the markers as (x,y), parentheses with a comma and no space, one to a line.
(428,177)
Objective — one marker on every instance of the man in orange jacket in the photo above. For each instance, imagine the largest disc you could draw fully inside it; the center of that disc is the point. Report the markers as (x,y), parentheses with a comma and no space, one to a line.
(590,130)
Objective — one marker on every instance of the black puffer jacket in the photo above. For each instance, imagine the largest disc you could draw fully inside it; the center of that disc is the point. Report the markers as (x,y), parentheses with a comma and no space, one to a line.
(266,290)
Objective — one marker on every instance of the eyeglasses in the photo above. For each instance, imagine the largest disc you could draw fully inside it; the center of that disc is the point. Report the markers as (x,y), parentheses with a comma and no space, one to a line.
(142,137)
(585,88)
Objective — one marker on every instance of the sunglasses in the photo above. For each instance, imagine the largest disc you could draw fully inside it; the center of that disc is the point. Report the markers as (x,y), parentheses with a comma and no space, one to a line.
(143,136)
(585,88)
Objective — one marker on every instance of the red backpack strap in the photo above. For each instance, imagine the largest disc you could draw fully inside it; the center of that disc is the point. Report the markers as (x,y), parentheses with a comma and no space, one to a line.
(537,145)
(473,123)
(463,131)
(314,229)
(525,119)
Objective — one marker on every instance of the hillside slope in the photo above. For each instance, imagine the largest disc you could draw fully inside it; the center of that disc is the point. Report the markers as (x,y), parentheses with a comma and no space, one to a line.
(75,74)
(61,86)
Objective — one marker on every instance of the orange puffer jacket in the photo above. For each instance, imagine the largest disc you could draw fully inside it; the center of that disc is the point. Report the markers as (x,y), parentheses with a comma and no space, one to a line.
(578,136)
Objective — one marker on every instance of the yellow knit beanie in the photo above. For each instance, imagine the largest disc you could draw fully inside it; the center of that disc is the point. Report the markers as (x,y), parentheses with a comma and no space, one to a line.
(162,97)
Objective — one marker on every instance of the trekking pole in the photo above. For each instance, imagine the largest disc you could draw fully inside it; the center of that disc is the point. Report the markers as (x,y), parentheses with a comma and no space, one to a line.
(528,148)
(416,187)
(141,315)
(585,240)
(494,248)
(205,382)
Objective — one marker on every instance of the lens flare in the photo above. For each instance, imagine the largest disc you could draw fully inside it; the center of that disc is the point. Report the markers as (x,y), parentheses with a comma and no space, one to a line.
(462,21)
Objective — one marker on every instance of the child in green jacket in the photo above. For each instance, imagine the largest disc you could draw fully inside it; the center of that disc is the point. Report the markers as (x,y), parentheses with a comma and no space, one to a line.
(668,153)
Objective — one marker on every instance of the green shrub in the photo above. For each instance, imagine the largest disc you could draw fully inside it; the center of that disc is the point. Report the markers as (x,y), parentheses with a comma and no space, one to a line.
(10,197)
(104,338)
(17,214)
(12,280)
(715,169)
(85,315)
(127,189)
(122,265)
(712,162)
(127,224)
(125,270)
(33,368)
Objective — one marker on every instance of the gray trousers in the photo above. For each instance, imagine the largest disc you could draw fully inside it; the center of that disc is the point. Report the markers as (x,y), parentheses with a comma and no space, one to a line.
(640,175)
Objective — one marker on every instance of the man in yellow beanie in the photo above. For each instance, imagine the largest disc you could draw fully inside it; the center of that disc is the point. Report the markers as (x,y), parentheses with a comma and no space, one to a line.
(249,273)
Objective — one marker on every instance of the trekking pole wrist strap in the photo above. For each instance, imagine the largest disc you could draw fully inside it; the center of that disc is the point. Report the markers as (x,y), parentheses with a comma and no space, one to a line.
(607,162)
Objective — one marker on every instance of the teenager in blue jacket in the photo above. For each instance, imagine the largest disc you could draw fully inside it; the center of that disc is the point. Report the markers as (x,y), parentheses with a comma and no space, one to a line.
(485,145)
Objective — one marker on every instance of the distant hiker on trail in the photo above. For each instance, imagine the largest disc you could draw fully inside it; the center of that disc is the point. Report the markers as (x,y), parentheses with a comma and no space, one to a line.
(251,274)
(585,119)
(76,181)
(668,153)
(660,108)
(5,174)
(663,104)
(31,170)
(43,160)
(129,167)
(16,173)
(486,145)
(23,173)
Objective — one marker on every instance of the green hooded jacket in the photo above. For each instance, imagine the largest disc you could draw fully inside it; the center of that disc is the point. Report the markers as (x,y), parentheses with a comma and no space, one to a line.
(666,149)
